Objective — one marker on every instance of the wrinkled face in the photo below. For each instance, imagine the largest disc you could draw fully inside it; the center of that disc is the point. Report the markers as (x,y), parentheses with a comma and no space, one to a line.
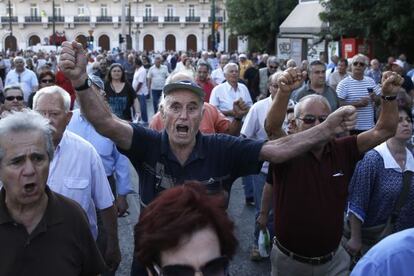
(51,107)
(182,116)
(24,168)
(19,65)
(313,113)
(195,251)
(232,75)
(157,62)
(405,127)
(291,123)
(13,100)
(116,73)
(272,67)
(342,67)
(358,66)
(317,75)
(202,73)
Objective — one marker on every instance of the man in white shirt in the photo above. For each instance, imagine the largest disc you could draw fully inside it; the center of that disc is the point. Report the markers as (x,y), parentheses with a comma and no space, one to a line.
(224,95)
(157,75)
(76,170)
(218,74)
(140,87)
(25,77)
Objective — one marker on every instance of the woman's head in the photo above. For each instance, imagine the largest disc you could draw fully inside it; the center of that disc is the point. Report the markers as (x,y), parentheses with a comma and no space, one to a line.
(46,78)
(115,72)
(405,124)
(183,219)
(13,98)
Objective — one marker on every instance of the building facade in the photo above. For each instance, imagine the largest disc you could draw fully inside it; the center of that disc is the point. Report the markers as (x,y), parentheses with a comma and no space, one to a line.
(144,25)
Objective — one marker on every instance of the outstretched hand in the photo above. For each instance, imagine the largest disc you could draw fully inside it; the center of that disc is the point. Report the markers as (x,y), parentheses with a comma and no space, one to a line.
(73,62)
(291,79)
(391,83)
(343,119)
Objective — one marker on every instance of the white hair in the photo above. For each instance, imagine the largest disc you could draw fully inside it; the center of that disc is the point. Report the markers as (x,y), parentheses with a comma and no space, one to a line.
(53,90)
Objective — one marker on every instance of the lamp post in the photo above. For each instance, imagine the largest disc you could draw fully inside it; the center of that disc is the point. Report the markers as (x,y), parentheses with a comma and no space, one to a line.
(213,24)
(53,24)
(10,19)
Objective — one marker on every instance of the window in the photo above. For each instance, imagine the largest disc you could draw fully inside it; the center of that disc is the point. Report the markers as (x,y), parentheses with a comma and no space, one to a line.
(58,10)
(148,10)
(81,9)
(191,11)
(104,10)
(33,10)
(170,10)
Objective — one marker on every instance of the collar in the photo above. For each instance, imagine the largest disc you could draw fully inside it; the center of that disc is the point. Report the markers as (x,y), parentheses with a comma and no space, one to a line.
(198,151)
(389,161)
(53,213)
(229,87)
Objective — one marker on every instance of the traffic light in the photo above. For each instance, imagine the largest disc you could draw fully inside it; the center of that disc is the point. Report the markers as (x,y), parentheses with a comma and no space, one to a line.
(121,39)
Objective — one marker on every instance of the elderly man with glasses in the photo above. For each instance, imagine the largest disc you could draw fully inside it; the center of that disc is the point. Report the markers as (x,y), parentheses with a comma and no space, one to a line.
(264,74)
(360,91)
(13,98)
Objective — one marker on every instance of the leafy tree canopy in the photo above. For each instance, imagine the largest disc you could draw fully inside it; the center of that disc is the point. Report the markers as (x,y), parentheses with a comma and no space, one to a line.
(258,19)
(390,23)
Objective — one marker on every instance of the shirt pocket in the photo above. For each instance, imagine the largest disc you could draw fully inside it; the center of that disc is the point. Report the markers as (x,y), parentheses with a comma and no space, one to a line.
(77,189)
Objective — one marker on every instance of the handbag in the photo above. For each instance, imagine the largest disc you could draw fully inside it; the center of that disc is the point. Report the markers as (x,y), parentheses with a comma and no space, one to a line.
(372,235)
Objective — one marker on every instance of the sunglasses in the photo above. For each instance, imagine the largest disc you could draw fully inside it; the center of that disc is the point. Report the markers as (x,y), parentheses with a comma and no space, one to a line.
(311,119)
(216,267)
(12,98)
(356,63)
(272,67)
(47,81)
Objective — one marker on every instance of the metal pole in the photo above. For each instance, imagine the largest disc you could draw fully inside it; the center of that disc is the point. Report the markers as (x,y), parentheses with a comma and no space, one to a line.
(10,20)
(122,23)
(213,24)
(53,23)
(224,31)
(129,45)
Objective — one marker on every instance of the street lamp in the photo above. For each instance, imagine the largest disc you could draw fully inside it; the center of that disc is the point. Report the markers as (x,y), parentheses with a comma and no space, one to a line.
(10,19)
(213,24)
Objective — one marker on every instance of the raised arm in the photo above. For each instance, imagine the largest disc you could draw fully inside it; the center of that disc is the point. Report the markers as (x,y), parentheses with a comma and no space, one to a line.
(73,63)
(283,149)
(388,120)
(288,81)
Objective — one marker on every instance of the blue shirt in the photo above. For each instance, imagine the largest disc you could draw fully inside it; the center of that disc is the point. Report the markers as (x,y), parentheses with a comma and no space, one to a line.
(113,161)
(394,255)
(216,161)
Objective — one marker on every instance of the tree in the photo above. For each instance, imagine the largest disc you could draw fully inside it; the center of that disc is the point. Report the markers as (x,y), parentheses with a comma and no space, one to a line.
(259,20)
(389,23)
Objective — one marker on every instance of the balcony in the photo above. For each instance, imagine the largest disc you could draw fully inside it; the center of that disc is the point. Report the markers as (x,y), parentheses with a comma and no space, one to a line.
(29,19)
(104,19)
(192,19)
(171,19)
(150,18)
(81,19)
(218,19)
(6,19)
(127,18)
(58,19)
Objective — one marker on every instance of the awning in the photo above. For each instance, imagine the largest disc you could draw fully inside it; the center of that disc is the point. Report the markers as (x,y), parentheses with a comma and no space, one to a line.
(304,19)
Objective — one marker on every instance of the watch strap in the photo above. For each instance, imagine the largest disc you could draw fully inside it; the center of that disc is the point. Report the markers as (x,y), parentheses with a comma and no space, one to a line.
(87,84)
(388,98)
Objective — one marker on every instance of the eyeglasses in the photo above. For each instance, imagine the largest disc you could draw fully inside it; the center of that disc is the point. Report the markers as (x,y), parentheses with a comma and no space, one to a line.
(311,119)
(47,81)
(12,98)
(356,63)
(216,267)
(272,67)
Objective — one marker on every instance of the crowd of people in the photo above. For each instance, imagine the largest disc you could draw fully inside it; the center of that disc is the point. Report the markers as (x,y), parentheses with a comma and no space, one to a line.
(323,150)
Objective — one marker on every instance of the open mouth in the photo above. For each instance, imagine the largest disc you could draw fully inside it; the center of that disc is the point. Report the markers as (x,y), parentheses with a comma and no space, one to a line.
(30,187)
(182,129)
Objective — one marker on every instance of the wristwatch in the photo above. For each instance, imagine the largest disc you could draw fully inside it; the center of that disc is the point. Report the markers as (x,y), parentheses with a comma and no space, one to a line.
(388,98)
(87,84)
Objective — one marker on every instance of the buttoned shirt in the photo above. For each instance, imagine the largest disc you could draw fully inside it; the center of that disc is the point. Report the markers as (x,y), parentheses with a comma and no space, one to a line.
(158,75)
(113,161)
(224,95)
(27,79)
(218,76)
(76,171)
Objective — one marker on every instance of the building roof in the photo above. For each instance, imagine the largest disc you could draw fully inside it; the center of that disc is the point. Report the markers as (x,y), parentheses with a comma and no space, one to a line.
(304,19)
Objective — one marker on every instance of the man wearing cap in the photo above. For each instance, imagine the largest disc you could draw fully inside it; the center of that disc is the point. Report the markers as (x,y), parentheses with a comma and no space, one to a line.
(398,67)
(181,152)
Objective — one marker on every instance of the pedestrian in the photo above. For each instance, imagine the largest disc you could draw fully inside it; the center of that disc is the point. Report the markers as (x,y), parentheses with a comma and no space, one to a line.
(157,75)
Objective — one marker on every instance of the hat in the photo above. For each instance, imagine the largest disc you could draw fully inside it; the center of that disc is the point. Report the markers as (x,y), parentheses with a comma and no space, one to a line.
(399,63)
(242,56)
(184,85)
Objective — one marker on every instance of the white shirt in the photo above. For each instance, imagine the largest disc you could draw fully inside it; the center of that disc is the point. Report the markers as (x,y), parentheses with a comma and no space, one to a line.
(390,162)
(76,172)
(224,95)
(218,76)
(158,76)
(140,76)
(253,126)
(27,79)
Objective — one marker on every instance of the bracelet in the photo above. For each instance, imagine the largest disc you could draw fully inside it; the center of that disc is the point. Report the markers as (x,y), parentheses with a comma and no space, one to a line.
(388,98)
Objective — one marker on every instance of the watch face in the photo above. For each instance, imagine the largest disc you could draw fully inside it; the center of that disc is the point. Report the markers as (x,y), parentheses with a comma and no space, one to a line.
(89,82)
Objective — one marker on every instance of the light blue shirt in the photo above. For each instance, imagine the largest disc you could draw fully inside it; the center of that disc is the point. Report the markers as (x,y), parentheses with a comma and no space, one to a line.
(113,161)
(394,255)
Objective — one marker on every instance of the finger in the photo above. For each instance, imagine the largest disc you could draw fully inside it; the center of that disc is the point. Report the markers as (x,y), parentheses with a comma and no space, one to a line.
(288,78)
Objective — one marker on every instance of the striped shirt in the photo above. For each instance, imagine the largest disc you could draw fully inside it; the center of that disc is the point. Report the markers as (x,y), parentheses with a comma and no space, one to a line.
(351,90)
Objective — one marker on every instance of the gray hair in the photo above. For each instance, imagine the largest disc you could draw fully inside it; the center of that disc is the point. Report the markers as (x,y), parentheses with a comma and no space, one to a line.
(272,60)
(53,90)
(354,58)
(19,58)
(25,121)
(229,65)
(310,98)
(12,86)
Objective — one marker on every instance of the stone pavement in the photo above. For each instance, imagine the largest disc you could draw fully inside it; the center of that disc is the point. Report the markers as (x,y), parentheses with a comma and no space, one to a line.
(239,212)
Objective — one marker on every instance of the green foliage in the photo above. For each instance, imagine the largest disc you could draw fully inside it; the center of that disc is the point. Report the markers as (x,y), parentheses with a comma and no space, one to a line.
(258,19)
(388,23)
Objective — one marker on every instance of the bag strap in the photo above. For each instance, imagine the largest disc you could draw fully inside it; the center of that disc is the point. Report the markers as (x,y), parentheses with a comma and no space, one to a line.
(407,175)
